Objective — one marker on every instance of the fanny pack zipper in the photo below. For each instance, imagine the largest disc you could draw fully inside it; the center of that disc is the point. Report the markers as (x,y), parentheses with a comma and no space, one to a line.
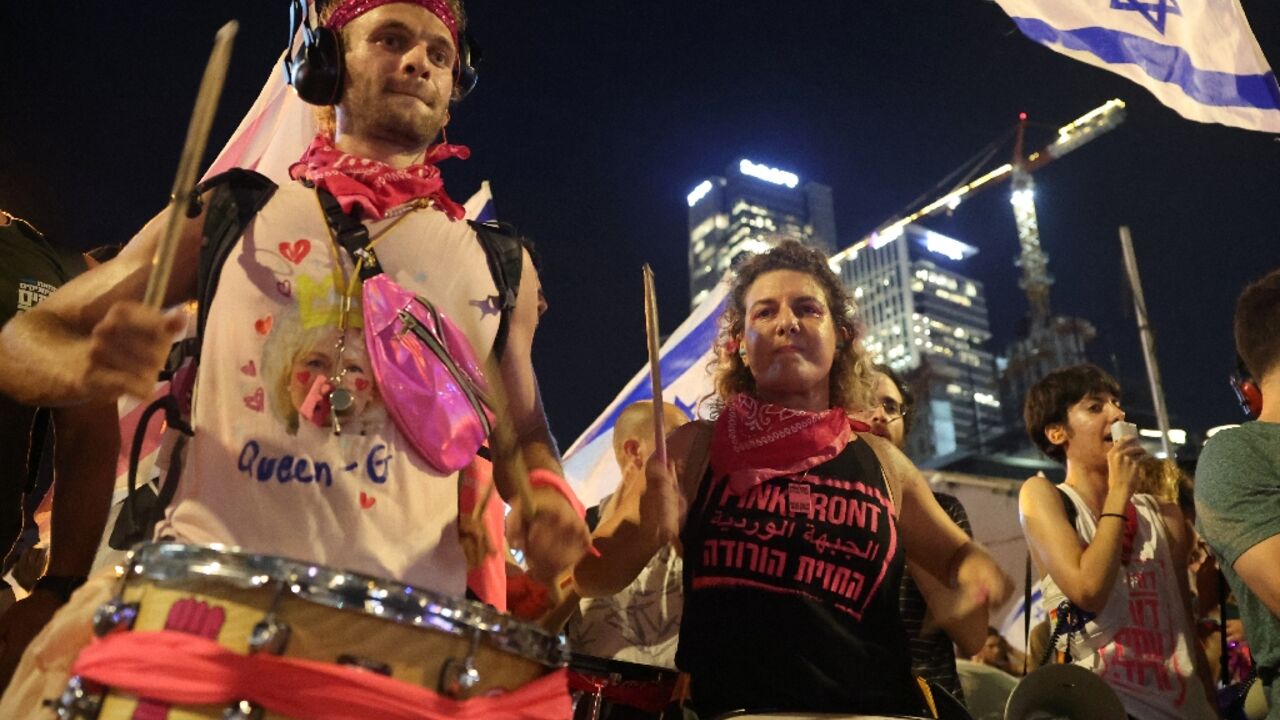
(413,325)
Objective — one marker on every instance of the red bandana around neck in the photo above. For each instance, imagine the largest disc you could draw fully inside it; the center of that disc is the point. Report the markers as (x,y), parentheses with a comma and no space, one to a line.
(755,441)
(375,187)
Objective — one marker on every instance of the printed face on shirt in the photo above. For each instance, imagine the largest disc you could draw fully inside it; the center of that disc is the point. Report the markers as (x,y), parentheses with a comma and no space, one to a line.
(789,335)
(1087,433)
(399,64)
(317,363)
(885,417)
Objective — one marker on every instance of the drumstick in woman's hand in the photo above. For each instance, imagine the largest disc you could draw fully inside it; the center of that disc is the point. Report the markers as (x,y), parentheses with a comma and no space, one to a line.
(655,364)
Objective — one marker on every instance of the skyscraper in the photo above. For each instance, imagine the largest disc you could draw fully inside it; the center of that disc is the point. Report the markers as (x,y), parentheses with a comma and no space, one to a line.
(928,321)
(747,209)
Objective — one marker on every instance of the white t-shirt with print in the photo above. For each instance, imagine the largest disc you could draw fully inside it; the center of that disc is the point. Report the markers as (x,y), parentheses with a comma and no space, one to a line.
(266,473)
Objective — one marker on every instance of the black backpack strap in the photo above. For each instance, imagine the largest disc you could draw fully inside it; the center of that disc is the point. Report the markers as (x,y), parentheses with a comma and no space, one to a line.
(350,233)
(504,250)
(237,197)
(1026,616)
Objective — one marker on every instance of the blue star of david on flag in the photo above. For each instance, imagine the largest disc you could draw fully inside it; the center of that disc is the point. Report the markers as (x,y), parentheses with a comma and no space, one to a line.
(1155,11)
(1217,76)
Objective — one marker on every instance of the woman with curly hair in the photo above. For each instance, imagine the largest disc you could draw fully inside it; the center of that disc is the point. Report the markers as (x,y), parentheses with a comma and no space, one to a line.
(794,526)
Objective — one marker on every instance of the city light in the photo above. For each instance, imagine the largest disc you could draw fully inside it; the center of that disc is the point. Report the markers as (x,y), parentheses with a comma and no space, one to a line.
(986,399)
(768,174)
(1176,436)
(699,192)
(945,246)
(1022,199)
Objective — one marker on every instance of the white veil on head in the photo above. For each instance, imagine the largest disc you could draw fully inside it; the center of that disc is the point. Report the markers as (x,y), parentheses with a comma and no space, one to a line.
(273,135)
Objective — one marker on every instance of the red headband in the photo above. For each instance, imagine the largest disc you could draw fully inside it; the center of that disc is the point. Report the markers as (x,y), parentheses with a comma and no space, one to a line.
(351,9)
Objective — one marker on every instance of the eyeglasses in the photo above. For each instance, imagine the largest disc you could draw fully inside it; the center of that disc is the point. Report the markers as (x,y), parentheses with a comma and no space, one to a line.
(892,408)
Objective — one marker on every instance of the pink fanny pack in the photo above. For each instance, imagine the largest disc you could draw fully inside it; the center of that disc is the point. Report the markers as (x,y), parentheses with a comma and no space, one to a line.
(429,378)
(426,369)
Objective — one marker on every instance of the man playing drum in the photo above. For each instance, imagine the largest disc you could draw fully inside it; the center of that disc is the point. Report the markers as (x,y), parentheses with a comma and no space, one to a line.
(295,452)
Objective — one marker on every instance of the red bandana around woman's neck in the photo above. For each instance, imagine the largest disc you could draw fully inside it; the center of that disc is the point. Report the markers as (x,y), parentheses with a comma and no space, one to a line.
(375,187)
(755,441)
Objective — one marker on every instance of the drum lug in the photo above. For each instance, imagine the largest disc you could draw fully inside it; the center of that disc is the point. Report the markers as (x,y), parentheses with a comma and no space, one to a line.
(459,677)
(269,636)
(77,702)
(243,710)
(113,615)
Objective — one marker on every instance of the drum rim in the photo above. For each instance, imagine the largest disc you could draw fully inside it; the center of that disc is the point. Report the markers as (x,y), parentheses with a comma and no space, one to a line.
(167,562)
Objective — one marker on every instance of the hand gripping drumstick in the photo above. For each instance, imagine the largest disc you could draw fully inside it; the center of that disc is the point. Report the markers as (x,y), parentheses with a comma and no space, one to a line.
(655,368)
(192,152)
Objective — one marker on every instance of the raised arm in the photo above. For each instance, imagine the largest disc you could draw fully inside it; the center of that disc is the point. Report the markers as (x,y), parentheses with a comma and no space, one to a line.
(647,513)
(93,340)
(1085,574)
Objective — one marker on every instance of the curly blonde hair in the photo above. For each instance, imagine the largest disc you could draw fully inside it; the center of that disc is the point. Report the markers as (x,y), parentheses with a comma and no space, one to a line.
(852,374)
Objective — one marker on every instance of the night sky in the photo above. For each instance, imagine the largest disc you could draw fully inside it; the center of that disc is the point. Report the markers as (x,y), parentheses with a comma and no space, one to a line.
(594,120)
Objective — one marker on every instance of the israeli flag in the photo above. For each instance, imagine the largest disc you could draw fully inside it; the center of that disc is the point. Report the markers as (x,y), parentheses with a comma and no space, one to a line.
(1199,58)
(684,360)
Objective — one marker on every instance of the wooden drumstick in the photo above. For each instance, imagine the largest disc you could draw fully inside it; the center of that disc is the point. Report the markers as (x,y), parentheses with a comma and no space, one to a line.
(188,163)
(655,365)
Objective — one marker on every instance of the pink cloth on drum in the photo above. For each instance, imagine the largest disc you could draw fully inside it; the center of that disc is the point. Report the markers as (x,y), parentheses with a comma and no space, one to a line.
(185,669)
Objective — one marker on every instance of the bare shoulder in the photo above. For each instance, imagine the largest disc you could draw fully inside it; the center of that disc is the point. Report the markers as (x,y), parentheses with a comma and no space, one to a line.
(1039,501)
(1033,493)
(889,456)
(902,474)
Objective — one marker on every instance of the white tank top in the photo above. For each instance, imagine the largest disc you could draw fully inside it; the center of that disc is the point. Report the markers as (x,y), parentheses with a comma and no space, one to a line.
(262,476)
(1139,643)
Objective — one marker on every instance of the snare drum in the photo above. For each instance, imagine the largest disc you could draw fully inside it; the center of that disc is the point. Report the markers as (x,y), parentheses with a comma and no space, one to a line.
(607,689)
(310,617)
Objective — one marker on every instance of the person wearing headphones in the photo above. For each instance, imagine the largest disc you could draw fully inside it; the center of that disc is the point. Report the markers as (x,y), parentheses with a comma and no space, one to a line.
(295,453)
(1238,485)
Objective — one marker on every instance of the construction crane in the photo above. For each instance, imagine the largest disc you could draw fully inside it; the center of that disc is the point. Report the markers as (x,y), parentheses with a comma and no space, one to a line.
(1035,280)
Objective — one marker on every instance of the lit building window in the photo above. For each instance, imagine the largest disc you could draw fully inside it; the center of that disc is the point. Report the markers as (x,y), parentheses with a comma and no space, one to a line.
(986,399)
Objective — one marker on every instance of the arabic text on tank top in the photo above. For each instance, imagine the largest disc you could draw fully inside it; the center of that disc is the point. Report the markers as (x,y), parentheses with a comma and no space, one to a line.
(791,594)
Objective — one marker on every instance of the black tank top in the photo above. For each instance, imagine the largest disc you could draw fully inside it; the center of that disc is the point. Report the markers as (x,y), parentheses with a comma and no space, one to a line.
(791,594)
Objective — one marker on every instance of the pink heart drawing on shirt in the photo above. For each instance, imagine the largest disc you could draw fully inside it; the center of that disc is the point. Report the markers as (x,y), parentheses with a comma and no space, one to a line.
(255,401)
(249,369)
(367,501)
(296,251)
(285,288)
(263,325)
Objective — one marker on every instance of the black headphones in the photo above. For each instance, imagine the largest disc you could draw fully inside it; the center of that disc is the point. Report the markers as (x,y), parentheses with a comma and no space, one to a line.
(315,69)
(1247,390)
